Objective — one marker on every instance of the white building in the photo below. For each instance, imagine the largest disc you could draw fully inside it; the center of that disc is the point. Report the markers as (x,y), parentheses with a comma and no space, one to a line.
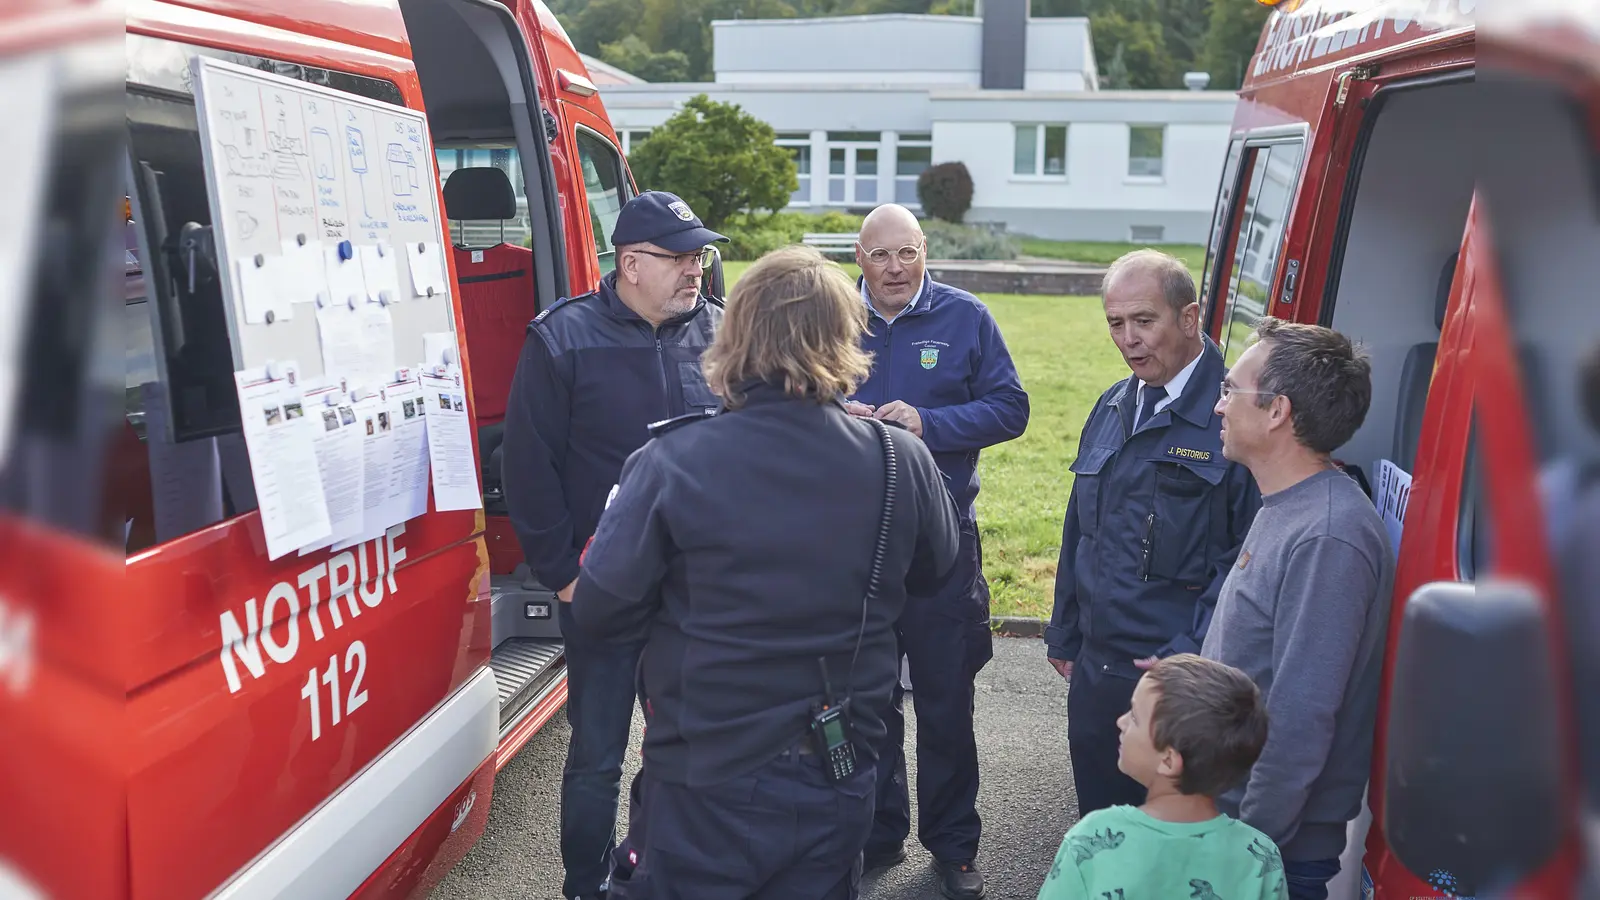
(867,102)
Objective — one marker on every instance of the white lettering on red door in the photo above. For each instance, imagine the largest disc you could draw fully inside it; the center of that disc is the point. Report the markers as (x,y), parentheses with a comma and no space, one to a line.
(275,625)
(16,647)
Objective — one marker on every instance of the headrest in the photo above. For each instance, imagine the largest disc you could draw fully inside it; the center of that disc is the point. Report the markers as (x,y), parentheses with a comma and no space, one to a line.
(481,192)
(1441,296)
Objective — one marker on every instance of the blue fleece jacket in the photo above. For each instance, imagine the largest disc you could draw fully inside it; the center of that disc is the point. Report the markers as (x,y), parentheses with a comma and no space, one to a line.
(946,357)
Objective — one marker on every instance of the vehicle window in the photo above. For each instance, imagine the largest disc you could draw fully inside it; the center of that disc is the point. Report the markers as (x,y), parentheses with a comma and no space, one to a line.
(182,408)
(606,190)
(1258,240)
(487,232)
(1219,222)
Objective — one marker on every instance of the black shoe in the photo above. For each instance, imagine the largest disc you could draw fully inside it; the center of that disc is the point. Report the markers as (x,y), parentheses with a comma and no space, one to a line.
(881,857)
(959,881)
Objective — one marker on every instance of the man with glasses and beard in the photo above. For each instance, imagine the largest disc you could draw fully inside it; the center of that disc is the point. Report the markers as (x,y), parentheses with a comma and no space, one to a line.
(596,371)
(941,369)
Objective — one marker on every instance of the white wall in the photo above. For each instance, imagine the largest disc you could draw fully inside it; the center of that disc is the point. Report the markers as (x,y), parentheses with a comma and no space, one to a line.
(1054,81)
(900,49)
(1097,167)
(1059,53)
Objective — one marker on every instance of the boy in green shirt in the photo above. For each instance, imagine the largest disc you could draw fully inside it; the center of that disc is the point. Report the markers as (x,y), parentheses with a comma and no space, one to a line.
(1194,730)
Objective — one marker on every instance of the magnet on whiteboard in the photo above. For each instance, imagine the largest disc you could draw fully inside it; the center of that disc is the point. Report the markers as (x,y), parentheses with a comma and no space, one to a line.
(430,290)
(384,297)
(300,238)
(422,247)
(346,251)
(270,317)
(260,260)
(383,249)
(352,301)
(322,299)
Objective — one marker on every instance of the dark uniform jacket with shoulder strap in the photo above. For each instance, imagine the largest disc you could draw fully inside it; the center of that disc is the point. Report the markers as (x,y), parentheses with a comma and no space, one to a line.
(741,545)
(592,377)
(1155,520)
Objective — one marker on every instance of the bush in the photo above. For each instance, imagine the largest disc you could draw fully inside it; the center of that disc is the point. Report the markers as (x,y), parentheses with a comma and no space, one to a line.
(945,191)
(750,236)
(948,241)
(718,158)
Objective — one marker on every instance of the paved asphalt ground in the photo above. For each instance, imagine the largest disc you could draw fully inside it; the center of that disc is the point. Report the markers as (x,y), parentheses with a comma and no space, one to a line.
(1026,797)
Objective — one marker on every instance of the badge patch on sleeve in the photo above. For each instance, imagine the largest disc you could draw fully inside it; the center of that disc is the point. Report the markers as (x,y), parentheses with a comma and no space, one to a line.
(930,357)
(1177,452)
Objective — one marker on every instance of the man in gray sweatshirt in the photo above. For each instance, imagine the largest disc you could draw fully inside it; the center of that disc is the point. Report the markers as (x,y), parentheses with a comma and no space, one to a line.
(1305,609)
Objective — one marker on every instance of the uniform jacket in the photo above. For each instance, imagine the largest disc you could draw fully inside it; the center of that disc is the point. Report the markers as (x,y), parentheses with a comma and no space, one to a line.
(741,545)
(592,377)
(1155,520)
(946,357)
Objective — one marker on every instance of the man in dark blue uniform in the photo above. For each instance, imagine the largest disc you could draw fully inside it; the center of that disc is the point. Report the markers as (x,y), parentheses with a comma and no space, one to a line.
(1155,520)
(742,546)
(596,370)
(942,370)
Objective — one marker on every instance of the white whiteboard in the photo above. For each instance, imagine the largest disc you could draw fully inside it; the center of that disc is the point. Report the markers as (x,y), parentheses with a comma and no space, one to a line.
(297,168)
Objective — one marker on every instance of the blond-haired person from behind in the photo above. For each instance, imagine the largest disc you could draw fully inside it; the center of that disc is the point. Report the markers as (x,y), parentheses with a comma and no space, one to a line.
(739,545)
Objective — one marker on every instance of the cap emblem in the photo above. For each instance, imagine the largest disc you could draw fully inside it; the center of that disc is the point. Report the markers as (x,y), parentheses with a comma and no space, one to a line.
(681,210)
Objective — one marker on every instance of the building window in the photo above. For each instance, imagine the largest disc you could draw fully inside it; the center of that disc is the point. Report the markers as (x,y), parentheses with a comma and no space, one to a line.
(631,138)
(1147,234)
(799,147)
(1146,145)
(853,167)
(1040,150)
(912,157)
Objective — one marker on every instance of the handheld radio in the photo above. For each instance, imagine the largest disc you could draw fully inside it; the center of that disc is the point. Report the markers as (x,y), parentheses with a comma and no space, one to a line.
(830,722)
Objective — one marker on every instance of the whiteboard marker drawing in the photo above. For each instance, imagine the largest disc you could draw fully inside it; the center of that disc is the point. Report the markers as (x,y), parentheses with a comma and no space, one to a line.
(322,154)
(356,143)
(402,170)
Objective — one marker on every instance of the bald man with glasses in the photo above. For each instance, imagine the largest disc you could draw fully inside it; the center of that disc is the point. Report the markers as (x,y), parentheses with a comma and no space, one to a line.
(942,370)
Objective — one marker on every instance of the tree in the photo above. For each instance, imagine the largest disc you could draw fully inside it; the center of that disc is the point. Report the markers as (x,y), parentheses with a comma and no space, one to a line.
(632,54)
(1142,47)
(1231,40)
(719,159)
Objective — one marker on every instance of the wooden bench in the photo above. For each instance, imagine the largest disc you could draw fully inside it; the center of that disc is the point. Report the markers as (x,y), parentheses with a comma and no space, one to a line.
(829,243)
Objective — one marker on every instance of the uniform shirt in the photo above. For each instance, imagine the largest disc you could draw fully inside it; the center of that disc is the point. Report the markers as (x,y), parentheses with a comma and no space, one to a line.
(1125,854)
(945,356)
(741,546)
(866,297)
(1153,523)
(592,377)
(1175,387)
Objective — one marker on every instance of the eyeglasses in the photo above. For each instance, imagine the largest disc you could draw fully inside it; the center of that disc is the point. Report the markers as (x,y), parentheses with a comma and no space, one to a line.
(879,256)
(701,256)
(1229,390)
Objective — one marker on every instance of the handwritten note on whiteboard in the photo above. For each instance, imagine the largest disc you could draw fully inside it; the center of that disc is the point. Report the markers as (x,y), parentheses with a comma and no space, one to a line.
(296,165)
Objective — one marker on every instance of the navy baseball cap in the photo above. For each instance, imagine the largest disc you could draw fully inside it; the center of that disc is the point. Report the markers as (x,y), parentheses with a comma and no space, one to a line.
(660,218)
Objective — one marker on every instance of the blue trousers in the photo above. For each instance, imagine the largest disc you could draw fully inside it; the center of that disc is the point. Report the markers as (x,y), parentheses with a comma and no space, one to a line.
(782,832)
(946,640)
(1308,879)
(600,697)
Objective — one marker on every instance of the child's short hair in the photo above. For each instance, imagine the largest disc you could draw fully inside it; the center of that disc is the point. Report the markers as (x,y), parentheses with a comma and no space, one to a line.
(1213,715)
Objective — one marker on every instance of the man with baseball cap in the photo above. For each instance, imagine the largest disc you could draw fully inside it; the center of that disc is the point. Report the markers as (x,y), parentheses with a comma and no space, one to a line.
(596,371)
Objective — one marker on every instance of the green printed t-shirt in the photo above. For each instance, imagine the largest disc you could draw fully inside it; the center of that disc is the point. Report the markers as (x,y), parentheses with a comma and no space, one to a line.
(1123,854)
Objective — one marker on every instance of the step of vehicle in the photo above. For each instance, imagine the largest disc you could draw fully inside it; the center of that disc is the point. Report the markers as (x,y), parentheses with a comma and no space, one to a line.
(522,667)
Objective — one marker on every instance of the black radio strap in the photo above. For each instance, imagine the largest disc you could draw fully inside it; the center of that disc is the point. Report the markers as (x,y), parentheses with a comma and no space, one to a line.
(890,466)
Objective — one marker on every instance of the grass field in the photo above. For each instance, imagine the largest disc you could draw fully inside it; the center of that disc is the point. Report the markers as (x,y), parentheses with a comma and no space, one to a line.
(1066,360)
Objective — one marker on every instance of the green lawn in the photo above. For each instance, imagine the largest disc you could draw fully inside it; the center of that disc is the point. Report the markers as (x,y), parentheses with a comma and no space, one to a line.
(1065,359)
(1103,252)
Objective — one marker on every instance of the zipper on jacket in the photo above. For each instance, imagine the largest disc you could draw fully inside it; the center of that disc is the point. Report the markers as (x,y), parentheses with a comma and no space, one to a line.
(666,384)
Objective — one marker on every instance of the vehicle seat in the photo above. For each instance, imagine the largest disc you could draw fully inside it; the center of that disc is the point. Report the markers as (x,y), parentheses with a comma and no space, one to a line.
(1417,374)
(497,303)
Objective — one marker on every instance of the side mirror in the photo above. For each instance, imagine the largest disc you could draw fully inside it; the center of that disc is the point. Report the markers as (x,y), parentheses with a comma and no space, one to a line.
(715,286)
(1474,756)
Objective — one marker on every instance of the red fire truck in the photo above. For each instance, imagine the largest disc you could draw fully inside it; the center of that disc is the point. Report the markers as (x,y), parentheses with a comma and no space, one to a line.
(205,720)
(1375,146)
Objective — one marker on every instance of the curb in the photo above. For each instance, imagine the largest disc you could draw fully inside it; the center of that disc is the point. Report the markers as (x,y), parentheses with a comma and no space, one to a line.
(1017,626)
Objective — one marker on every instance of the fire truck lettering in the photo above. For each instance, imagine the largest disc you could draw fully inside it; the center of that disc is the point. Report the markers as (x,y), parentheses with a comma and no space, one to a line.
(375,596)
(282,592)
(311,580)
(397,555)
(243,642)
(16,648)
(342,586)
